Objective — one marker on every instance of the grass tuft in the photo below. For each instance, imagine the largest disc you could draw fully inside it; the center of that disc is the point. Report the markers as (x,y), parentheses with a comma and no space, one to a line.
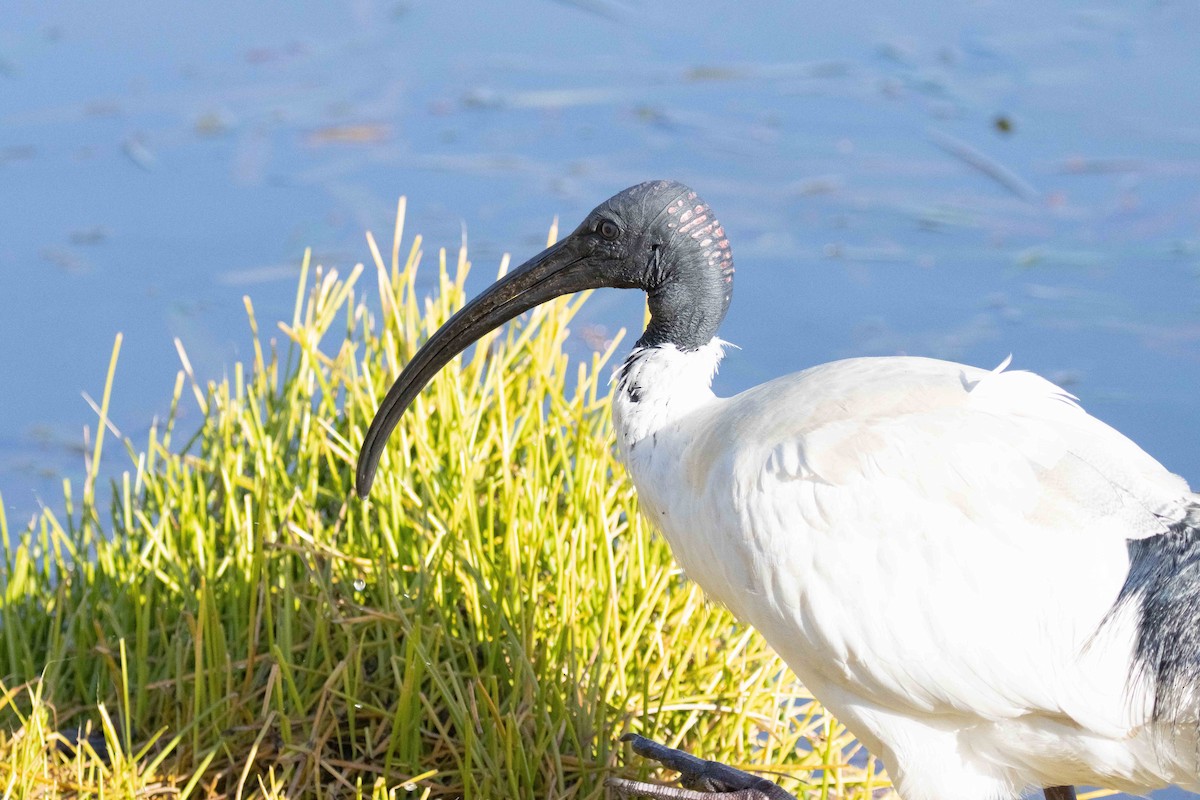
(238,625)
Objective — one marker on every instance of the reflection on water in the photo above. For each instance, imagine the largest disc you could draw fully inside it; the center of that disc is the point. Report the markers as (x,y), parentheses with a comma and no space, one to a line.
(961,181)
(957,182)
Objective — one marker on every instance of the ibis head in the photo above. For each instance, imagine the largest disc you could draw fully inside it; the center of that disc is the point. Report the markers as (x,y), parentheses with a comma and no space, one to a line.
(658,236)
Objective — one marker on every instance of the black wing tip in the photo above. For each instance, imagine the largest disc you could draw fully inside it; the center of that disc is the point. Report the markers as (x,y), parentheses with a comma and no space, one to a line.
(1164,582)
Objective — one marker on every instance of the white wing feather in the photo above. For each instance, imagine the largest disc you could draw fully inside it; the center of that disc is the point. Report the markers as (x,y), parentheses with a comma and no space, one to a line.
(934,549)
(993,491)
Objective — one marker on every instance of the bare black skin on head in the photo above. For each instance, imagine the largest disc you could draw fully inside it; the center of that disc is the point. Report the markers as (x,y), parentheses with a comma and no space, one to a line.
(657,236)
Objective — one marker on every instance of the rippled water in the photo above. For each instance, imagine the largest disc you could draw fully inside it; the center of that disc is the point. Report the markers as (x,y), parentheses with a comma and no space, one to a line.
(955,180)
(960,182)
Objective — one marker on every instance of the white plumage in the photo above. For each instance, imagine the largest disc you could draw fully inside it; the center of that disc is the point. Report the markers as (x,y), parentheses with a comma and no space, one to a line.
(992,589)
(936,550)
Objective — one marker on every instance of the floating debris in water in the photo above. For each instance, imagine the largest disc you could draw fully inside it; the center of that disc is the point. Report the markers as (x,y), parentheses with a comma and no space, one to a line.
(986,165)
(350,134)
(17,152)
(64,259)
(896,52)
(1082,165)
(267,55)
(97,234)
(212,123)
(553,99)
(1043,256)
(653,115)
(1184,248)
(139,153)
(102,108)
(710,72)
(482,97)
(816,185)
(886,254)
(943,215)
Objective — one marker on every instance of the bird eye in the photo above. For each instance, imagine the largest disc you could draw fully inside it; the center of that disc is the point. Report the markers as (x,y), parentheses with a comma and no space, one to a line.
(608,229)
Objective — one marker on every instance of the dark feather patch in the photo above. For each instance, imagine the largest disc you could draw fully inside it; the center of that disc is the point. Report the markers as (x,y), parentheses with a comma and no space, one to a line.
(625,381)
(1164,582)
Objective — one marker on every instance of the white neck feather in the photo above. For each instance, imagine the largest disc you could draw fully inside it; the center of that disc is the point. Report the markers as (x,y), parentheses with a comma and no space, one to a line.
(660,385)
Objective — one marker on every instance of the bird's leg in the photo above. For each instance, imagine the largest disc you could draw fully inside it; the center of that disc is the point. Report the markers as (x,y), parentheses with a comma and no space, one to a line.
(1059,792)
(700,778)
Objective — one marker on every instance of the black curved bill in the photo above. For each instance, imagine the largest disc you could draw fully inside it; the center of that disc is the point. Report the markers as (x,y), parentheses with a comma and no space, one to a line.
(557,270)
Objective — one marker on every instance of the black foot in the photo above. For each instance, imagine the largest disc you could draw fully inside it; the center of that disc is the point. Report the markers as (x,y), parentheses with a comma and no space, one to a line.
(1059,792)
(700,778)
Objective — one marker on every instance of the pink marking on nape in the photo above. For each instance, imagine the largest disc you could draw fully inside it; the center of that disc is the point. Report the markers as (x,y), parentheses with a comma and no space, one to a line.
(674,209)
(698,209)
(685,216)
(691,195)
(719,232)
(705,242)
(724,244)
(672,224)
(695,221)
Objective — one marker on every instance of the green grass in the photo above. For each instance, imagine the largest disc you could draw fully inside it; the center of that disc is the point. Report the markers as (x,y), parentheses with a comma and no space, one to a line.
(486,626)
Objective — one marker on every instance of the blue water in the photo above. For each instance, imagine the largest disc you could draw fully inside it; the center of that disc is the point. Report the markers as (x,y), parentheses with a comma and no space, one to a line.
(158,162)
(960,180)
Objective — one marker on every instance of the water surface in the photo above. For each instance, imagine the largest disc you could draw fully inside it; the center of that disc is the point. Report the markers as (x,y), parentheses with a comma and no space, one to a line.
(957,182)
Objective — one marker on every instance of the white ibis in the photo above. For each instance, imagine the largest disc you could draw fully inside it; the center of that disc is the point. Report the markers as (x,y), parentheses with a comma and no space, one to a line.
(990,588)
